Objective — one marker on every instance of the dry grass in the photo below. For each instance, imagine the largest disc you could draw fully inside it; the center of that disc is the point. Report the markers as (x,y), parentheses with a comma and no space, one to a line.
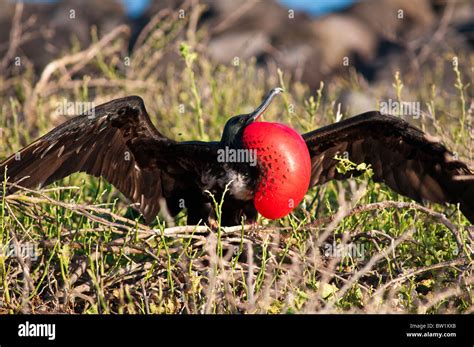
(91,259)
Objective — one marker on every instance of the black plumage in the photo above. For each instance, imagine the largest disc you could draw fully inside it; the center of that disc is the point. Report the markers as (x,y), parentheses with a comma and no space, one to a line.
(119,142)
(402,156)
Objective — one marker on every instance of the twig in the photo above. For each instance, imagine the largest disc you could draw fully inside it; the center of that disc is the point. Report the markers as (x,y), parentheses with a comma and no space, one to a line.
(15,36)
(80,57)
(441,218)
(412,273)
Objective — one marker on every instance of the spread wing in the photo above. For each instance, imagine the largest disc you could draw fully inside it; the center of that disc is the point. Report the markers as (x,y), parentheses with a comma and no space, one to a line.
(402,156)
(117,141)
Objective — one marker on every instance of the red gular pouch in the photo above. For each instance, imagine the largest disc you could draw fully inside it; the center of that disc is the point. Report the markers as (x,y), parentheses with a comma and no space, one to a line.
(285,167)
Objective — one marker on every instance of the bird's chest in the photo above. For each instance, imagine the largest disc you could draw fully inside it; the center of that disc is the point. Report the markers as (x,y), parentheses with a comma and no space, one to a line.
(239,181)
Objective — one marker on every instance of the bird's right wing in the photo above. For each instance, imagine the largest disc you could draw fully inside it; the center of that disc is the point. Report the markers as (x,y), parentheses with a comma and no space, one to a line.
(116,140)
(402,156)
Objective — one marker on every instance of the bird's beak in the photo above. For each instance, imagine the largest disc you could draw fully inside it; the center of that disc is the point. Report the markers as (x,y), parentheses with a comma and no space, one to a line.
(264,105)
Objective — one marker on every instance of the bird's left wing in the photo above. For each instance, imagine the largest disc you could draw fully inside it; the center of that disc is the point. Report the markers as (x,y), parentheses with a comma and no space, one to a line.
(115,140)
(402,156)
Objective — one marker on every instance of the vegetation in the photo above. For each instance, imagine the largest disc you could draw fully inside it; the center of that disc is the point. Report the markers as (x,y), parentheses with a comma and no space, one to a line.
(351,246)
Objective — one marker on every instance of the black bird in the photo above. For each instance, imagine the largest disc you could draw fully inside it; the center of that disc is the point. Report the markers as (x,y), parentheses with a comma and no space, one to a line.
(118,142)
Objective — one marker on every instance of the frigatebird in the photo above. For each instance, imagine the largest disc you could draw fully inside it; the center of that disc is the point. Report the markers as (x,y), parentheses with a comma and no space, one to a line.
(118,142)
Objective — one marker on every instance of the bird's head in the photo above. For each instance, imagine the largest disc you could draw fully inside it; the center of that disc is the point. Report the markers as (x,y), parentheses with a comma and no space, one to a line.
(281,155)
(235,126)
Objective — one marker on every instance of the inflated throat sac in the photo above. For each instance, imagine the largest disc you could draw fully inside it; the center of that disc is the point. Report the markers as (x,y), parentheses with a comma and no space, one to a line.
(284,164)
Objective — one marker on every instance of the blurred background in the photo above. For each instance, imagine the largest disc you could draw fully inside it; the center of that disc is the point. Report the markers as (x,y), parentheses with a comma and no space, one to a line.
(196,63)
(309,37)
(359,46)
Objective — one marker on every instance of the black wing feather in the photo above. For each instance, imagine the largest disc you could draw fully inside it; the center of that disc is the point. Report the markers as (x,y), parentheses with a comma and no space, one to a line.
(116,141)
(402,156)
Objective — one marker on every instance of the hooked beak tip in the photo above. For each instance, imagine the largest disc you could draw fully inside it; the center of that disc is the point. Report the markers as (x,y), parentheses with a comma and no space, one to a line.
(264,105)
